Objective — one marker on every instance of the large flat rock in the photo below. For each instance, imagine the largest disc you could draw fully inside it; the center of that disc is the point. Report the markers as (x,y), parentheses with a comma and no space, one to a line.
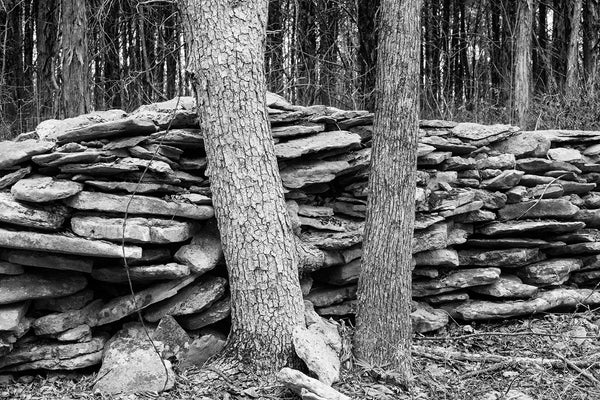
(192,299)
(134,187)
(47,217)
(58,354)
(324,141)
(123,127)
(11,178)
(507,287)
(439,258)
(544,301)
(137,230)
(58,243)
(13,153)
(141,273)
(505,258)
(425,318)
(48,260)
(550,272)
(301,174)
(320,358)
(456,280)
(39,286)
(58,158)
(96,201)
(287,131)
(529,227)
(524,144)
(545,208)
(433,238)
(44,189)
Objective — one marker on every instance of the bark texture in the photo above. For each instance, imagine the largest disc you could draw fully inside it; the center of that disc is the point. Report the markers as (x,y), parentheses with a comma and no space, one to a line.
(383,322)
(573,49)
(226,43)
(75,95)
(522,74)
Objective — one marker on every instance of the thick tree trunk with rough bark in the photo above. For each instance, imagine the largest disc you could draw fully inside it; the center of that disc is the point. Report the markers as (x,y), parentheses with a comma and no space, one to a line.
(591,41)
(383,327)
(522,72)
(226,47)
(571,80)
(75,85)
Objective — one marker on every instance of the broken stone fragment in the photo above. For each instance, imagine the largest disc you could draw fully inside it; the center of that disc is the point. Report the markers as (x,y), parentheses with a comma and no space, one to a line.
(508,287)
(321,359)
(137,230)
(204,252)
(425,318)
(528,227)
(215,313)
(45,217)
(11,315)
(440,258)
(173,338)
(190,300)
(550,272)
(130,365)
(74,301)
(545,208)
(319,142)
(53,324)
(201,349)
(11,178)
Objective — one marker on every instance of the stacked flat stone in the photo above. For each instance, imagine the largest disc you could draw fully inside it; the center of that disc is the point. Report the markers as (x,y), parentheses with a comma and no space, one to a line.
(506,225)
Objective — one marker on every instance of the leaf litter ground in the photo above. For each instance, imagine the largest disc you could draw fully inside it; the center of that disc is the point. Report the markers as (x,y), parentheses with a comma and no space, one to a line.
(551,356)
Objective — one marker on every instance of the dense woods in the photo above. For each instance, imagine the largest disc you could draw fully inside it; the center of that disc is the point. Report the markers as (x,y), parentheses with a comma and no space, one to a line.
(479,58)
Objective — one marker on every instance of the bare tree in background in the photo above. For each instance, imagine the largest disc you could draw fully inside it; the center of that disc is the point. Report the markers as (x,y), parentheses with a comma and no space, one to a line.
(383,327)
(522,71)
(74,51)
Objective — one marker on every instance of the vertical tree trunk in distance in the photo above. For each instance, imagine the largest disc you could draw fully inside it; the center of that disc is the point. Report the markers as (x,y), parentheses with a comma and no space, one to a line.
(571,79)
(46,43)
(75,85)
(367,50)
(591,41)
(383,326)
(522,73)
(226,48)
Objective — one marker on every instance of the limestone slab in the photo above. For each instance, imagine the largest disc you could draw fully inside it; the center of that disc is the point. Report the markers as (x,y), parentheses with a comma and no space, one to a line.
(301,174)
(439,258)
(11,178)
(103,202)
(44,189)
(141,273)
(131,187)
(324,141)
(58,243)
(550,272)
(39,286)
(215,313)
(545,208)
(327,296)
(8,268)
(425,318)
(507,287)
(53,324)
(48,260)
(13,153)
(459,279)
(123,127)
(506,258)
(137,230)
(529,227)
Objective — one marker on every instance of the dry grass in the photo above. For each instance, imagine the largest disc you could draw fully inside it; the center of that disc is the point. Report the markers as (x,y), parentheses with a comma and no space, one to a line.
(572,336)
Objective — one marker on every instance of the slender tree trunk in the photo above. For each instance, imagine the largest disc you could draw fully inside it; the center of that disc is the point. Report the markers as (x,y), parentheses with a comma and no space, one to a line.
(591,41)
(327,50)
(367,50)
(274,55)
(541,74)
(75,75)
(383,328)
(172,44)
(46,45)
(572,79)
(522,72)
(248,198)
(559,42)
(112,67)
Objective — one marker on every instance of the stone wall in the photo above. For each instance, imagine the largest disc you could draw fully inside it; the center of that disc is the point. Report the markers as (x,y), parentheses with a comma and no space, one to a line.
(506,225)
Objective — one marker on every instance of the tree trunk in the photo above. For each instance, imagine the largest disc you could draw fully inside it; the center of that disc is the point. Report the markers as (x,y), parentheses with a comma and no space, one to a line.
(591,41)
(542,54)
(274,54)
(559,41)
(46,44)
(572,80)
(383,328)
(522,72)
(248,198)
(75,85)
(367,50)
(112,67)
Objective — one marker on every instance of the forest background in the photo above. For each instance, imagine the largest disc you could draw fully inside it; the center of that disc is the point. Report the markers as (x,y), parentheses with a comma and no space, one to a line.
(61,58)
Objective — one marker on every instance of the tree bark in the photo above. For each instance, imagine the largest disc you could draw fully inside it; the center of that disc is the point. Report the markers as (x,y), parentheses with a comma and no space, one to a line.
(383,328)
(522,72)
(591,41)
(367,50)
(572,79)
(75,85)
(248,197)
(274,55)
